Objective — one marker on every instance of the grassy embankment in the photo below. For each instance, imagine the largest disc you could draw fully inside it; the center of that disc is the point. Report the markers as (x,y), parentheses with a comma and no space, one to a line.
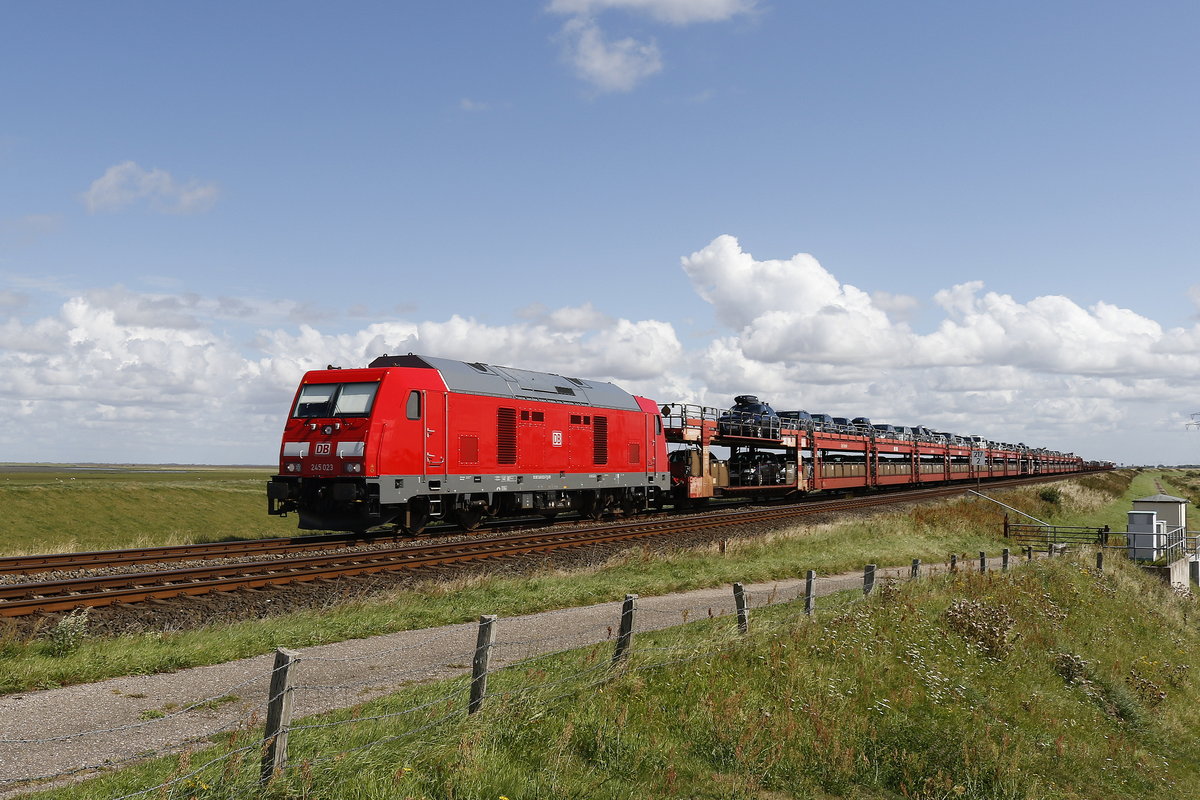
(930,533)
(1184,483)
(1052,681)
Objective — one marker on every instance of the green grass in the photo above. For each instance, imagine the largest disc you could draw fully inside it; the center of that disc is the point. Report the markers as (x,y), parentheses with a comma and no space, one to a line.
(929,532)
(58,510)
(1050,682)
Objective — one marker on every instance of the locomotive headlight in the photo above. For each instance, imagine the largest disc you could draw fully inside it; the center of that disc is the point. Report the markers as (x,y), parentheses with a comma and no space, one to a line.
(354,468)
(292,467)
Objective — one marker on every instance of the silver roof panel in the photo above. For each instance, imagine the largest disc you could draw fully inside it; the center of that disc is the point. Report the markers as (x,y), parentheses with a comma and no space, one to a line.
(519,384)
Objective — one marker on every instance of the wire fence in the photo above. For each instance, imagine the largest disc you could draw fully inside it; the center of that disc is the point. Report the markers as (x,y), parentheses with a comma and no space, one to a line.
(550,665)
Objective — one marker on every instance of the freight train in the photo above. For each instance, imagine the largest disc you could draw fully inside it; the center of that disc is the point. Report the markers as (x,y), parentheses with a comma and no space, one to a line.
(412,439)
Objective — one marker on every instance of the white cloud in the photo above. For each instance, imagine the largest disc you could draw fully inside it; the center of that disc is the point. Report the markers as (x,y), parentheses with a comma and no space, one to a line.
(116,374)
(619,65)
(617,349)
(127,183)
(795,311)
(1046,366)
(568,318)
(900,307)
(791,309)
(616,66)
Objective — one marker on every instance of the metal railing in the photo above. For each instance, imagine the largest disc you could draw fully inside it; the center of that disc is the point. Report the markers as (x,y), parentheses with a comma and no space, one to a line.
(1049,535)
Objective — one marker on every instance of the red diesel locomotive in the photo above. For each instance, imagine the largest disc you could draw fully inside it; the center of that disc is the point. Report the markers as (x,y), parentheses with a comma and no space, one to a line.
(412,438)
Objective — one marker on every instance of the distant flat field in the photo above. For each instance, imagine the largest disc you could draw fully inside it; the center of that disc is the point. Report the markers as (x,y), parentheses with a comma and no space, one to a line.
(71,507)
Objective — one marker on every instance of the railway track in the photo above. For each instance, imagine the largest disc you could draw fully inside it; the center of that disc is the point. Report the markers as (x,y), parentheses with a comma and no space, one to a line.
(19,599)
(103,559)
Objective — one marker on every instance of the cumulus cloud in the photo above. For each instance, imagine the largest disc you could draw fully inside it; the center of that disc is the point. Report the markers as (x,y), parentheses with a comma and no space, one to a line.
(89,386)
(192,311)
(1044,365)
(619,349)
(796,311)
(791,309)
(127,184)
(569,318)
(116,374)
(620,64)
(900,307)
(610,66)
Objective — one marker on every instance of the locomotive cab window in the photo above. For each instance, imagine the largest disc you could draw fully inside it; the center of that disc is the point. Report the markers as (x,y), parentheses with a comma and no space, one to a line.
(414,405)
(335,400)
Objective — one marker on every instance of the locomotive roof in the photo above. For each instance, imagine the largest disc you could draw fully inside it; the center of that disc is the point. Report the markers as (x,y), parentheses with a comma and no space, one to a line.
(480,378)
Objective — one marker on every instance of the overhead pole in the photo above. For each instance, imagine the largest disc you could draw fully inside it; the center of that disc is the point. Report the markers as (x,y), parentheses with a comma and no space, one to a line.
(1010,508)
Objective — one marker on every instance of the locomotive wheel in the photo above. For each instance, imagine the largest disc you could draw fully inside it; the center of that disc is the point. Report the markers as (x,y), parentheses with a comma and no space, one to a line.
(418,518)
(468,518)
(594,505)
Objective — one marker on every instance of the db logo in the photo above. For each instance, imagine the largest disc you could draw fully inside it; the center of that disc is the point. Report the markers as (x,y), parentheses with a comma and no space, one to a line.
(323,448)
(556,438)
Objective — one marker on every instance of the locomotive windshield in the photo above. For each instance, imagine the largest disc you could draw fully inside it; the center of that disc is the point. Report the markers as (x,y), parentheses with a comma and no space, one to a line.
(335,400)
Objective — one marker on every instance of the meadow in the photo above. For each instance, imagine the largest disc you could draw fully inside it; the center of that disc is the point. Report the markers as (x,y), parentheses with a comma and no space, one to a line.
(47,509)
(1051,682)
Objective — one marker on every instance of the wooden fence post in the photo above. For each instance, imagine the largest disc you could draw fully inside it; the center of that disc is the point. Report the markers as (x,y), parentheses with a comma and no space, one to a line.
(279,715)
(810,598)
(479,665)
(739,601)
(982,562)
(868,579)
(916,569)
(1004,559)
(625,634)
(1029,552)
(1100,561)
(954,562)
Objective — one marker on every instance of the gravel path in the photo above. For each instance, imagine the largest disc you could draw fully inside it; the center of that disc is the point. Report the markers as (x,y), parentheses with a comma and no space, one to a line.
(82,729)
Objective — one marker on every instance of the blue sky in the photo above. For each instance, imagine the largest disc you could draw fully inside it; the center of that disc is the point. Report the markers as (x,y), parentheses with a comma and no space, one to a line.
(1000,205)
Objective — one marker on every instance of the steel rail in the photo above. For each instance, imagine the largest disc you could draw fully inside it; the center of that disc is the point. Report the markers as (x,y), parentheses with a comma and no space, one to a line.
(15,565)
(104,559)
(60,595)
